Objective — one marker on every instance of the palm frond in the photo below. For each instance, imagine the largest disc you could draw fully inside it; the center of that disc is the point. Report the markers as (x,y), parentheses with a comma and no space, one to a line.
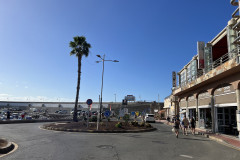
(80,46)
(72,44)
(72,52)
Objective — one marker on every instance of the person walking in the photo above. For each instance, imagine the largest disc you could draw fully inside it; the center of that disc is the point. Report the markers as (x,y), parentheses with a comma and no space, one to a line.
(8,115)
(168,120)
(176,127)
(193,124)
(185,125)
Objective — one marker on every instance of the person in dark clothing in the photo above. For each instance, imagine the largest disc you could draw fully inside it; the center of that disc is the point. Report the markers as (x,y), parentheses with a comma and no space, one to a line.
(8,115)
(168,120)
(193,123)
(176,127)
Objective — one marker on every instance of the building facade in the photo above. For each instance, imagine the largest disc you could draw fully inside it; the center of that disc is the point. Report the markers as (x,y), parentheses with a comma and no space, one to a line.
(208,86)
(169,106)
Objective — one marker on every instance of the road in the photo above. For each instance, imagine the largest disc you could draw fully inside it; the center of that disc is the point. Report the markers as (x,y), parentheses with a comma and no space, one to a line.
(38,144)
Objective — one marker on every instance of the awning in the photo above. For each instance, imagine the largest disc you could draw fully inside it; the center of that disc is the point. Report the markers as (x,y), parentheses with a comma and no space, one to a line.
(166,107)
(182,112)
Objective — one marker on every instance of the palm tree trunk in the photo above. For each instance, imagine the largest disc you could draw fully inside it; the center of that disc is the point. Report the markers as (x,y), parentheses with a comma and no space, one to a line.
(78,88)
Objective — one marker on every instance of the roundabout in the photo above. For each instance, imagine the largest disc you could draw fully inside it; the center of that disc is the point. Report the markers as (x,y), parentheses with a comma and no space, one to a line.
(103,127)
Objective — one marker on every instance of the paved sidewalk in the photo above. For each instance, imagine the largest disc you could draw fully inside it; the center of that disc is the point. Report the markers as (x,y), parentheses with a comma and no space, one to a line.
(227,140)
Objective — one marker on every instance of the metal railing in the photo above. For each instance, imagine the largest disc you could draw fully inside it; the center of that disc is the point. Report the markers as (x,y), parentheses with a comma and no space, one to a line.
(218,62)
(234,15)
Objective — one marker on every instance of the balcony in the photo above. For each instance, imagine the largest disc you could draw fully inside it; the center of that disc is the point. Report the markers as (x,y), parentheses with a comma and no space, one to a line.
(216,70)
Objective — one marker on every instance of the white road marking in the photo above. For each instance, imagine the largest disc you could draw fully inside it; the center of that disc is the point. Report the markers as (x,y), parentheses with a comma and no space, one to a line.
(186,156)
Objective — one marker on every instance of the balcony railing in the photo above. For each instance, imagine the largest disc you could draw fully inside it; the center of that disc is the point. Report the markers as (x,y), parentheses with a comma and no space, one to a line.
(218,62)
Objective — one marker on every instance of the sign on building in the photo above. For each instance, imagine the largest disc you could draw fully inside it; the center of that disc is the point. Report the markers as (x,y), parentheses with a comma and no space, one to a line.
(208,57)
(174,79)
(130,98)
(200,50)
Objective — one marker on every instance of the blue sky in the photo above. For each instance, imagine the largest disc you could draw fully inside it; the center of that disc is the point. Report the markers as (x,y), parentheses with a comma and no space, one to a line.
(150,38)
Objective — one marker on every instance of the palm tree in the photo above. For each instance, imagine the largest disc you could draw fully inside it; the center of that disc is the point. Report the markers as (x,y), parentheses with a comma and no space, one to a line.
(79,47)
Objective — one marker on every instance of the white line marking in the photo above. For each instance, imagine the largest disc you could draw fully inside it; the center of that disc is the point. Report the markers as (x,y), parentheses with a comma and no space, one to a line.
(186,156)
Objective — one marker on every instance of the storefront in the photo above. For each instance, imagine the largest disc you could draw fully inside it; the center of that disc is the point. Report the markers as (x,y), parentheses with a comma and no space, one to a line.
(226,106)
(183,106)
(182,113)
(204,110)
(191,107)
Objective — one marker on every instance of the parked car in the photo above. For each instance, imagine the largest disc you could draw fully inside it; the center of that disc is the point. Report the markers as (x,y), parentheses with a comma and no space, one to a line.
(149,118)
(28,117)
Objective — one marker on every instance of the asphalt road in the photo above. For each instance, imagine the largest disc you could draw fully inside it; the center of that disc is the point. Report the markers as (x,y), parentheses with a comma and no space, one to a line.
(38,144)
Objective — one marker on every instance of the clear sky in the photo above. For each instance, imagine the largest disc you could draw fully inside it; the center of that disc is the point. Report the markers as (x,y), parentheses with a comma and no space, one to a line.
(150,38)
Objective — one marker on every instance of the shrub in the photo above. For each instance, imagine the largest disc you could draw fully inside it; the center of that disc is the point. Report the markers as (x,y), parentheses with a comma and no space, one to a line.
(118,125)
(134,123)
(93,119)
(126,118)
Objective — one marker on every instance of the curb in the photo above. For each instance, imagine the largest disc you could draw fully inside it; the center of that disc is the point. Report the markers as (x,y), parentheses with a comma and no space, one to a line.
(7,148)
(95,131)
(216,139)
(223,142)
(11,151)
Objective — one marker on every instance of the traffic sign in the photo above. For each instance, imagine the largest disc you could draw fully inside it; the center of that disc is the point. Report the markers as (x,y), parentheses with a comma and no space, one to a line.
(107,113)
(137,113)
(89,102)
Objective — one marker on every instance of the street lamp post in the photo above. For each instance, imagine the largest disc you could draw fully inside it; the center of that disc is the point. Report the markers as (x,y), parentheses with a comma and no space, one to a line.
(103,60)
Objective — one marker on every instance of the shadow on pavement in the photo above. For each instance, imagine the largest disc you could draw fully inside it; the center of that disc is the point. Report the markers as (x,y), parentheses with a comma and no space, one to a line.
(192,139)
(165,131)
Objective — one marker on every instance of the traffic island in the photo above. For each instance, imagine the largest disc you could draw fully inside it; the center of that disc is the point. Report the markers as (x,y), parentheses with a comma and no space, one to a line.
(103,127)
(5,146)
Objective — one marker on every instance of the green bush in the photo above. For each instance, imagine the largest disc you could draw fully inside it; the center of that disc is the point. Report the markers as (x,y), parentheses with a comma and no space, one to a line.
(118,125)
(93,119)
(126,118)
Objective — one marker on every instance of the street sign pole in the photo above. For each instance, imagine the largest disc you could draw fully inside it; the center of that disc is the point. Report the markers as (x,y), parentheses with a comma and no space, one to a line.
(89,102)
(107,114)
(88,116)
(98,113)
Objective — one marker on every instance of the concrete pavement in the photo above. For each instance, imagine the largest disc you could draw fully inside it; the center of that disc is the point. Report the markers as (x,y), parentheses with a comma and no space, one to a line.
(35,143)
(227,140)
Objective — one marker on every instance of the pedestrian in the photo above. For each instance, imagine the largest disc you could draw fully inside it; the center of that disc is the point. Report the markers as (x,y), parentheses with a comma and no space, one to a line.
(181,124)
(8,115)
(193,122)
(176,127)
(22,115)
(185,125)
(168,120)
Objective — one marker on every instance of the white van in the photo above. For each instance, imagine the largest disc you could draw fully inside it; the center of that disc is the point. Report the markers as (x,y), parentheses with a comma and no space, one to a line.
(149,118)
